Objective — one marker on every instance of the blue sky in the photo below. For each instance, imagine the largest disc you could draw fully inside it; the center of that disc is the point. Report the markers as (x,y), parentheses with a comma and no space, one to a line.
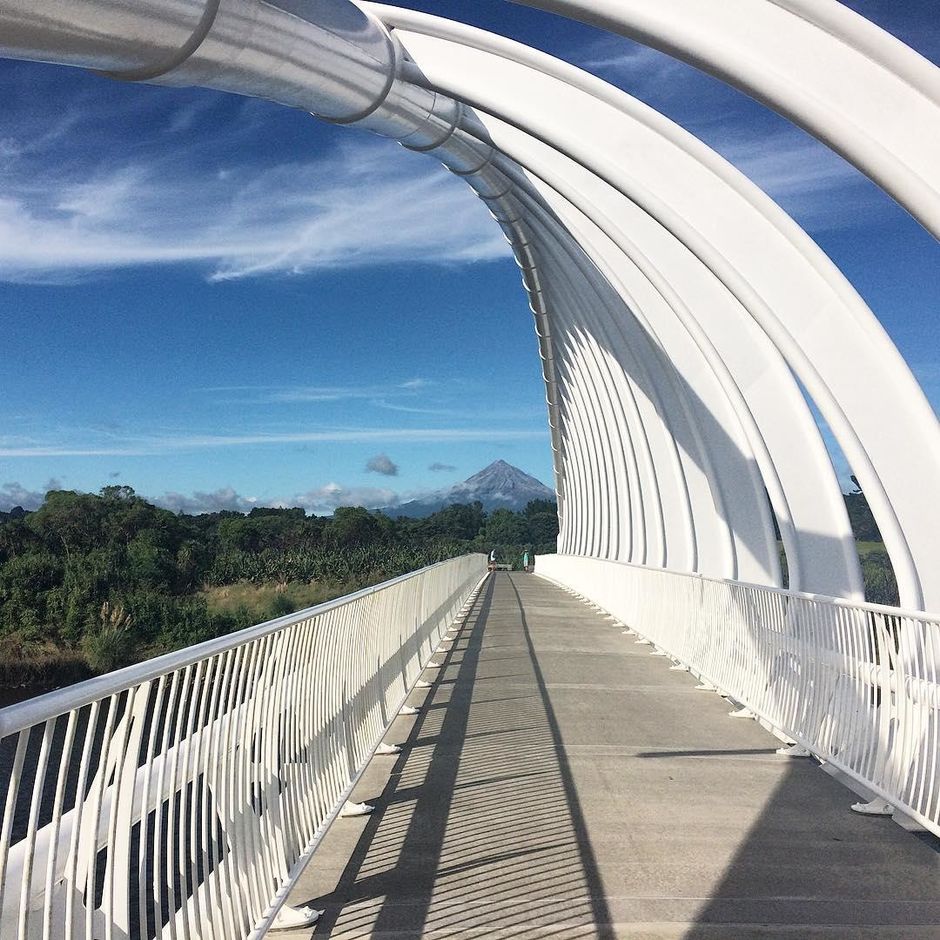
(224,303)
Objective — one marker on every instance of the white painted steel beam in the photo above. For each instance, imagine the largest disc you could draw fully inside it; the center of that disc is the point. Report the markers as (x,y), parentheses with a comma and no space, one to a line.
(791,290)
(680,316)
(852,85)
(337,60)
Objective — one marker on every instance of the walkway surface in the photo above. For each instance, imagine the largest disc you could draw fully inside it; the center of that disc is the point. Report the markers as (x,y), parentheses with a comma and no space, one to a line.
(560,781)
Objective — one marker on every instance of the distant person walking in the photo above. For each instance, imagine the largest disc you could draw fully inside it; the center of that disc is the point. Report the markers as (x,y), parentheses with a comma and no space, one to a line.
(525,560)
(493,559)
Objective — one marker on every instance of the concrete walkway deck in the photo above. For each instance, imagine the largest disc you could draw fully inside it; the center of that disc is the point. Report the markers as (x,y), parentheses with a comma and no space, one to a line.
(562,782)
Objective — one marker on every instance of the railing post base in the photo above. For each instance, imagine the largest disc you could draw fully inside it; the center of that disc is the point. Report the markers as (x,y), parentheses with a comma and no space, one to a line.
(356,809)
(875,807)
(295,917)
(742,712)
(794,750)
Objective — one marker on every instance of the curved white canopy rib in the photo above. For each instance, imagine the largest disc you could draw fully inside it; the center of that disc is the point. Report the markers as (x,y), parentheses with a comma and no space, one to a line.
(852,85)
(674,301)
(800,300)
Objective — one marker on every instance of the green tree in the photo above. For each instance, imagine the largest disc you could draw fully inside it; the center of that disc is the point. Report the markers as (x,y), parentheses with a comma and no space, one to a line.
(505,527)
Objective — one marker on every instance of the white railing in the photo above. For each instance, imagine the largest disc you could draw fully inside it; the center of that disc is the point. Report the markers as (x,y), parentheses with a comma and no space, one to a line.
(181,798)
(856,684)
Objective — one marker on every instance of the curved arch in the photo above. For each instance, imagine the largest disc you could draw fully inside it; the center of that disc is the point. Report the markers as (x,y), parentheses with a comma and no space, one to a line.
(849,83)
(792,290)
(544,155)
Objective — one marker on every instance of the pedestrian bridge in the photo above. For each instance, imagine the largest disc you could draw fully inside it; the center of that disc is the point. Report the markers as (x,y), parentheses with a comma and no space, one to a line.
(562,780)
(462,752)
(558,776)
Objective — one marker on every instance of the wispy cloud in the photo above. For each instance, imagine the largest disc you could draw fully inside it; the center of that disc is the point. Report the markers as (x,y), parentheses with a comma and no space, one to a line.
(613,57)
(300,394)
(412,409)
(360,201)
(816,186)
(441,467)
(141,446)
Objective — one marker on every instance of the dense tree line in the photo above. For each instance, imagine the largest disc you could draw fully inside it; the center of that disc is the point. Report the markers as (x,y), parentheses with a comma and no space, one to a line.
(90,582)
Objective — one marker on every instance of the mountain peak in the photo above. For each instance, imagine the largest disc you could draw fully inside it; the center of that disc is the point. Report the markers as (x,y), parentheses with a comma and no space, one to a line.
(497,486)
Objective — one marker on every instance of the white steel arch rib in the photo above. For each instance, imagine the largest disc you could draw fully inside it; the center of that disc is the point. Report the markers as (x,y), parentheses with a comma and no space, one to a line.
(848,82)
(800,300)
(669,341)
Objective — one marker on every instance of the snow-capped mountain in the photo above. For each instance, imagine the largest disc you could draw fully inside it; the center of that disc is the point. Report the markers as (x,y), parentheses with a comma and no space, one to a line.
(498,486)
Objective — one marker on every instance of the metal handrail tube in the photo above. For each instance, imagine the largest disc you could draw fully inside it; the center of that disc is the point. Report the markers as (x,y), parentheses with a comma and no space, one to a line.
(181,798)
(855,683)
(25,714)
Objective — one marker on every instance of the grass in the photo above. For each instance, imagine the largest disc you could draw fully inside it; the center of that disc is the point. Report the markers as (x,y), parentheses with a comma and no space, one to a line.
(866,548)
(266,601)
(25,662)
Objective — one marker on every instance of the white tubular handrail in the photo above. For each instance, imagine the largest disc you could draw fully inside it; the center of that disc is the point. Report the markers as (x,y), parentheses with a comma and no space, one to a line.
(182,797)
(856,684)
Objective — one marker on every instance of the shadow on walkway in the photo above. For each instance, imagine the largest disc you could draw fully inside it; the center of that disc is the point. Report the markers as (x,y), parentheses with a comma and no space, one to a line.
(478,830)
(560,781)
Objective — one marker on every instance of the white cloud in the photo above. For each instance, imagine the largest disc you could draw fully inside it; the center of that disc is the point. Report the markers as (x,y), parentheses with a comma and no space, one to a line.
(366,202)
(786,164)
(326,499)
(15,494)
(383,464)
(222,499)
(415,410)
(321,500)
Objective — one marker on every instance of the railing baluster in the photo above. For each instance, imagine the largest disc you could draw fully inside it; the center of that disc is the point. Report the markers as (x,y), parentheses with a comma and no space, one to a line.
(55,824)
(39,780)
(9,811)
(228,760)
(856,683)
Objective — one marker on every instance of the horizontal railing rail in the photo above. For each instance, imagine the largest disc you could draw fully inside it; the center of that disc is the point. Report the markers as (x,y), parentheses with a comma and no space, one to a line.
(181,797)
(856,684)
